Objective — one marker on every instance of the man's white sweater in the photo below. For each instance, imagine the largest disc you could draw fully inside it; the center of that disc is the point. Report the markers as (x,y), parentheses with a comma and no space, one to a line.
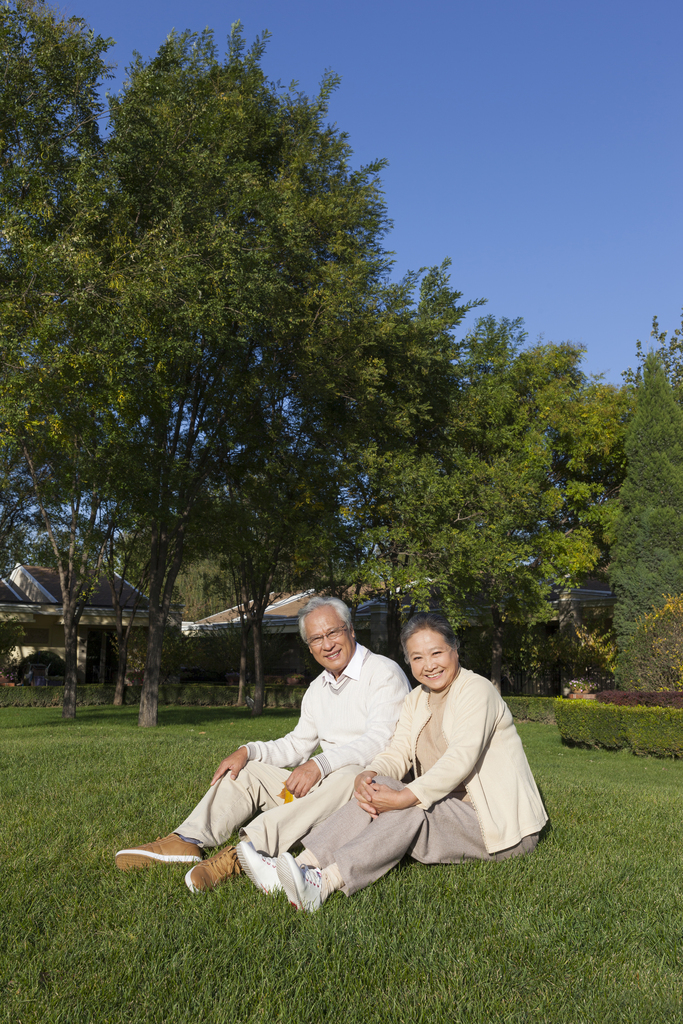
(352,718)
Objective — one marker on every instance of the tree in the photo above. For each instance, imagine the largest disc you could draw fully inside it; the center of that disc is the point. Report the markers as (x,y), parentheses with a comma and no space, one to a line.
(539,447)
(260,326)
(512,494)
(647,549)
(53,381)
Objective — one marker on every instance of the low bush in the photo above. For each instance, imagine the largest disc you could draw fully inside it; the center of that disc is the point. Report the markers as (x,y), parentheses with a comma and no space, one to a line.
(645,730)
(642,698)
(191,694)
(532,709)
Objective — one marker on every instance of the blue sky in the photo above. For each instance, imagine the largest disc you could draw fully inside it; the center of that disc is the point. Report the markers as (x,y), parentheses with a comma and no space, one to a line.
(535,142)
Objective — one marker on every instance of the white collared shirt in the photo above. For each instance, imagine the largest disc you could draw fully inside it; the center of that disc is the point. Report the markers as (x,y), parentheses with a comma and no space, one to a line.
(352,670)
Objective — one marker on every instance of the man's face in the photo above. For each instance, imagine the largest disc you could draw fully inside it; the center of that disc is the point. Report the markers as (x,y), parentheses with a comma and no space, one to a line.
(333,653)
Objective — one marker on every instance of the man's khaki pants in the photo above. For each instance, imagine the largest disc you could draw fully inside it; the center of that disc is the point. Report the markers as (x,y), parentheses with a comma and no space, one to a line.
(257,788)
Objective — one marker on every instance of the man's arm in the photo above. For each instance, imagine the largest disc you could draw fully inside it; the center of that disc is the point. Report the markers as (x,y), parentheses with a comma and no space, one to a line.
(293,749)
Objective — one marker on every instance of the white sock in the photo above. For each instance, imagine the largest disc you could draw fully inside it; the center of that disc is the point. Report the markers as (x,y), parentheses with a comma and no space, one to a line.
(331,881)
(306,859)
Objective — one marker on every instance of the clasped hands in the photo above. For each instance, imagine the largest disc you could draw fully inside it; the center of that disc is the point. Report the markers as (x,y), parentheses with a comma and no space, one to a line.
(298,783)
(375,798)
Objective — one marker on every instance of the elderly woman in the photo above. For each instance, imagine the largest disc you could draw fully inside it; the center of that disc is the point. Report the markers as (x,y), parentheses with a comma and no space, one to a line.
(473,796)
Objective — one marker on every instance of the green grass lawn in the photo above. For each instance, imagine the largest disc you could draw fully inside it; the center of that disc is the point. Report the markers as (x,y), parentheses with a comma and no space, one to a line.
(587,929)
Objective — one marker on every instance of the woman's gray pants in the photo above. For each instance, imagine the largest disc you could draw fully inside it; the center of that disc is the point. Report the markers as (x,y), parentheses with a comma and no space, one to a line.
(365,848)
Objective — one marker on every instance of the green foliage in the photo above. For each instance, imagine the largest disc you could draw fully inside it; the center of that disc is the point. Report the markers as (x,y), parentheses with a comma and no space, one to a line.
(11,635)
(647,551)
(509,494)
(49,658)
(532,709)
(656,731)
(653,657)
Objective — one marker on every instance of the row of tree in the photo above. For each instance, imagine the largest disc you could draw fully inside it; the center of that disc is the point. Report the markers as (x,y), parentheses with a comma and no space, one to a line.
(203,357)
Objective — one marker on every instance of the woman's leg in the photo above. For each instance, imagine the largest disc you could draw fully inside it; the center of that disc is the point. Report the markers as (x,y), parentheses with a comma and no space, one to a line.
(451,834)
(341,827)
(364,848)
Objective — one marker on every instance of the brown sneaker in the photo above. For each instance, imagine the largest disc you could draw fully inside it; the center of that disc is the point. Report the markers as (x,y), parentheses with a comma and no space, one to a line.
(214,870)
(169,850)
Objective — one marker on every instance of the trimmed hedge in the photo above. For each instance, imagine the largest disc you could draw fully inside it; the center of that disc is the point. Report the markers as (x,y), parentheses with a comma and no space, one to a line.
(643,698)
(532,709)
(197,694)
(655,730)
(524,709)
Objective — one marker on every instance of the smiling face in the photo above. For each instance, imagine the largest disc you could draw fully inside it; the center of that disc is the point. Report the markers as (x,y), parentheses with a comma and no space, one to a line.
(432,661)
(333,653)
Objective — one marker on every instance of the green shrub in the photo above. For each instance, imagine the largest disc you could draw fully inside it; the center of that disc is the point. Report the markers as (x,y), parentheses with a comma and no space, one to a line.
(657,731)
(531,709)
(653,657)
(188,694)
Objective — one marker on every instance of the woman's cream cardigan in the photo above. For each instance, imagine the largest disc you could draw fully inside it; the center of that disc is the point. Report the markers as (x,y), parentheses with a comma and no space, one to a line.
(484,751)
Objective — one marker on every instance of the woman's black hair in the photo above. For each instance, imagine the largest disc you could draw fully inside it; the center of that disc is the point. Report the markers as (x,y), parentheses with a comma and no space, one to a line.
(428,620)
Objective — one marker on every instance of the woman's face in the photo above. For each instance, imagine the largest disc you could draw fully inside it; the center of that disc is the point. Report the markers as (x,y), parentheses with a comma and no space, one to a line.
(432,661)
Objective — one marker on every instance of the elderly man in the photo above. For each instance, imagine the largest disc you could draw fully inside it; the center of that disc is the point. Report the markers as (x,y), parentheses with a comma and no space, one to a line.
(350,710)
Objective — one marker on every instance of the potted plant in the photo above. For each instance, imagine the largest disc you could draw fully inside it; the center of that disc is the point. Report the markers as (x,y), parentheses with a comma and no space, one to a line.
(581,689)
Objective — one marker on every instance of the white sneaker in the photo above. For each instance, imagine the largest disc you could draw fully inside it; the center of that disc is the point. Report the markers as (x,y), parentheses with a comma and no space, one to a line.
(302,885)
(260,869)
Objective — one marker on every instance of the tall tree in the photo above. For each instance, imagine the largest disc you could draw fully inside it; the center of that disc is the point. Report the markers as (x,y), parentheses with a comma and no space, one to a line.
(254,298)
(647,551)
(53,381)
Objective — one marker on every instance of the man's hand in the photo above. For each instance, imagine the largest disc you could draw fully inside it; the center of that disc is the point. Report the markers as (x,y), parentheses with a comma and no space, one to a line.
(375,798)
(233,763)
(303,778)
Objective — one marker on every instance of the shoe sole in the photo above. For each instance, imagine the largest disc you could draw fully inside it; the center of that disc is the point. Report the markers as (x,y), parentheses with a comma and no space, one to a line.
(127,859)
(247,868)
(290,882)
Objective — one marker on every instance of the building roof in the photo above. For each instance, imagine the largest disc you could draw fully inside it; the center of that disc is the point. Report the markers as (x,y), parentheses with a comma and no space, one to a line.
(10,593)
(33,584)
(281,612)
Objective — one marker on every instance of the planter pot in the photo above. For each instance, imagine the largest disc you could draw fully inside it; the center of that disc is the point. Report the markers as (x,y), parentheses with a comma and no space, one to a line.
(582,696)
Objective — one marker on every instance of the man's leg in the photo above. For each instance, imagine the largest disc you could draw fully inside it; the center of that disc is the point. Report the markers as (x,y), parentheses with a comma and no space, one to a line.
(231,802)
(276,829)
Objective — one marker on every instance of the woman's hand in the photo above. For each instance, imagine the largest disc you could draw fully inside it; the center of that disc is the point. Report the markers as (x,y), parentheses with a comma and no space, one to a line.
(375,798)
(362,791)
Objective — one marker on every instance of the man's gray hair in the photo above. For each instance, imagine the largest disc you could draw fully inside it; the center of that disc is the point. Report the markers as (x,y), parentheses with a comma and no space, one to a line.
(342,610)
(428,620)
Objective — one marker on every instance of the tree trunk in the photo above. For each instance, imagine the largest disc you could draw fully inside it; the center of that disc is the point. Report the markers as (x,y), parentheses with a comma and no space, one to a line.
(71,664)
(149,698)
(245,626)
(496,646)
(121,672)
(102,670)
(259,681)
(162,577)
(394,629)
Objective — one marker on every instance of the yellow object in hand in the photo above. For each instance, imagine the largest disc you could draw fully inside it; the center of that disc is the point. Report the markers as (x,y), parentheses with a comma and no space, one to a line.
(286,795)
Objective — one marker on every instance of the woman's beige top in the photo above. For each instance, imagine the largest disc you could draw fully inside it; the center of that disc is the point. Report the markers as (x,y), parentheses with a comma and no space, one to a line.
(484,752)
(432,743)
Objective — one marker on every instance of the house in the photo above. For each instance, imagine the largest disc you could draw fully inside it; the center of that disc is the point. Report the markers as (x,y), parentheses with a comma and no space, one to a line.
(32,595)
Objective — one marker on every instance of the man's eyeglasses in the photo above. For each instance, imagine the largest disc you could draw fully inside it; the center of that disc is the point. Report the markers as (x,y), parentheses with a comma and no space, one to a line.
(332,634)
